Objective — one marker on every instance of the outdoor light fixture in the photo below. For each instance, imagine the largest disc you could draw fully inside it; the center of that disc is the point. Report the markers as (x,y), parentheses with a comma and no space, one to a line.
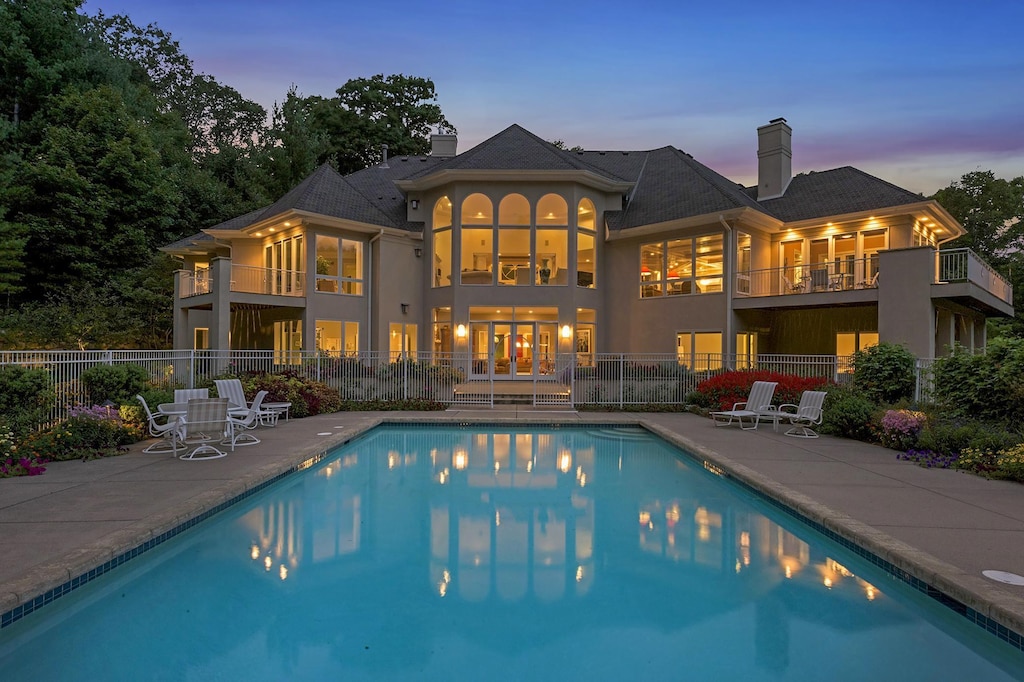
(460,331)
(418,251)
(566,331)
(415,203)
(405,308)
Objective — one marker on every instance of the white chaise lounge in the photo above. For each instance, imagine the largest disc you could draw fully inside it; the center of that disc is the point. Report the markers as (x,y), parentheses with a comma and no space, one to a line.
(758,402)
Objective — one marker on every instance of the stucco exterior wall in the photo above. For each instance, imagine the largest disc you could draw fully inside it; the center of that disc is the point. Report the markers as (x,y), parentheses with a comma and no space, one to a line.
(906,314)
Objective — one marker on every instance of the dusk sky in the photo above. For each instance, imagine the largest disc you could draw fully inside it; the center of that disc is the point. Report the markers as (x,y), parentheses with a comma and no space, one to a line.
(915,92)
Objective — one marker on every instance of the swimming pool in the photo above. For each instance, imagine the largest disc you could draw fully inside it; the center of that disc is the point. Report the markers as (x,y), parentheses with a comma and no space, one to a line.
(501,553)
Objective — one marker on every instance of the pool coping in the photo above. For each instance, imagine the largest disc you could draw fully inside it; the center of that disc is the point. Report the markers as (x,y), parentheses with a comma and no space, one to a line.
(994,610)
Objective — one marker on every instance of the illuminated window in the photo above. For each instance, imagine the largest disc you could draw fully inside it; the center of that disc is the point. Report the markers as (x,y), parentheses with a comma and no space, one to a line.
(442,243)
(339,265)
(477,210)
(847,343)
(337,337)
(681,266)
(699,351)
(514,209)
(552,210)
(402,339)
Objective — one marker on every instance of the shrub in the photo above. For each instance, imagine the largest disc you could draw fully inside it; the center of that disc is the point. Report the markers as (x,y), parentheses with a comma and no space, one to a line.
(87,433)
(1010,462)
(848,413)
(900,428)
(26,397)
(954,437)
(987,386)
(307,397)
(131,410)
(14,462)
(885,373)
(116,383)
(724,390)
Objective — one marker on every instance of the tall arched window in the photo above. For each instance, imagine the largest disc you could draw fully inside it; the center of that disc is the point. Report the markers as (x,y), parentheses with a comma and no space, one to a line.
(586,240)
(442,243)
(514,209)
(477,242)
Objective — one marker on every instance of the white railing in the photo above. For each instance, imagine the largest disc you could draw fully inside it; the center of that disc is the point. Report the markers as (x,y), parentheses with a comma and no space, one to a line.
(248,279)
(963,265)
(194,283)
(608,379)
(847,275)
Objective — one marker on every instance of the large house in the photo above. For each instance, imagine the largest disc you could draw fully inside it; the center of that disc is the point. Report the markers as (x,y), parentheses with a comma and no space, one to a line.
(516,253)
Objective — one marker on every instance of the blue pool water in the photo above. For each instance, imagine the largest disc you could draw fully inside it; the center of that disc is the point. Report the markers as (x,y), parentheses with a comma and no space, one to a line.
(501,554)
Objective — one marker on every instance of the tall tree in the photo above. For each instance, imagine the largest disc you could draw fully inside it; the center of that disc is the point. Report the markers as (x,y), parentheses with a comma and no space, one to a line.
(990,209)
(12,252)
(395,110)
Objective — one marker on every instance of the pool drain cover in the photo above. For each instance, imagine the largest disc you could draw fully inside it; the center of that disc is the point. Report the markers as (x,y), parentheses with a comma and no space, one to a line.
(1004,577)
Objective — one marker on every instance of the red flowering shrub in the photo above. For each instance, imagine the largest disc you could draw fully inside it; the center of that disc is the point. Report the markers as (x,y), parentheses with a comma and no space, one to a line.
(722,391)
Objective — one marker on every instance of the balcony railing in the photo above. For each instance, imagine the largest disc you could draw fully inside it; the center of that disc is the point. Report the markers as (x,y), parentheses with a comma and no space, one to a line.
(844,275)
(248,279)
(963,265)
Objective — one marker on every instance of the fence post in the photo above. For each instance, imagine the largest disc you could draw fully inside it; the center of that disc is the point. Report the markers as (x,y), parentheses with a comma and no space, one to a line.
(622,380)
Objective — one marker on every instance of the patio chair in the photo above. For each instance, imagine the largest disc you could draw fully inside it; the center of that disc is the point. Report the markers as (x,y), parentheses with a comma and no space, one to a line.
(802,417)
(253,418)
(166,431)
(183,395)
(232,390)
(757,403)
(869,283)
(206,416)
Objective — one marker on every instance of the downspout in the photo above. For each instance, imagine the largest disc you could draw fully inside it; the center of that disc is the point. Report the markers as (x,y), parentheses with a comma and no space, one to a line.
(369,288)
(728,256)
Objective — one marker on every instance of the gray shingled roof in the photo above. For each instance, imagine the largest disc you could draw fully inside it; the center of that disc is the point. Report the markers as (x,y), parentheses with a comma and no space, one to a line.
(834,192)
(671,186)
(516,148)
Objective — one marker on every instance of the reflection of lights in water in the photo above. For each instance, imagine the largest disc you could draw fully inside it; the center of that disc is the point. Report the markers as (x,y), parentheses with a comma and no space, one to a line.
(476,560)
(392,459)
(789,571)
(583,480)
(268,562)
(497,467)
(645,518)
(254,552)
(745,539)
(442,585)
(460,460)
(671,539)
(704,533)
(870,593)
(443,476)
(497,517)
(827,582)
(529,466)
(579,574)
(565,461)
(672,515)
(739,566)
(283,572)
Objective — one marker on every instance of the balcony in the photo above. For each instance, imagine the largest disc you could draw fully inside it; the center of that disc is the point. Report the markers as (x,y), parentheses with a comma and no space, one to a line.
(963,265)
(846,275)
(245,279)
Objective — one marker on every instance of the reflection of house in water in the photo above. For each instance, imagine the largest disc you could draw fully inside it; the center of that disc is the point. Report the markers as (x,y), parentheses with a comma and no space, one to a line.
(527,521)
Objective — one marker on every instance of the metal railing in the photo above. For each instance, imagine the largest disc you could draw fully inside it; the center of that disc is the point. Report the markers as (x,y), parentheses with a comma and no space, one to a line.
(963,265)
(248,279)
(860,273)
(607,379)
(194,283)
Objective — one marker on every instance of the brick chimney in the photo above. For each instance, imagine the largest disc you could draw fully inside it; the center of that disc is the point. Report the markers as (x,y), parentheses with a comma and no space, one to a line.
(774,159)
(443,145)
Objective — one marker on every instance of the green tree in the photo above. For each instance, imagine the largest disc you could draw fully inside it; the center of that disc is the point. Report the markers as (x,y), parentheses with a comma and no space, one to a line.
(298,145)
(990,209)
(12,252)
(395,110)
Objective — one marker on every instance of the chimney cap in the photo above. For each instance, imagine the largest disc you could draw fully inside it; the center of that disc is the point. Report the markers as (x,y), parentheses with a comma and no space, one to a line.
(777,120)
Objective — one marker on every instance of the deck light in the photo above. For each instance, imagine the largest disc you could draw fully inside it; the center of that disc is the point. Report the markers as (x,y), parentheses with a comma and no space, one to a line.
(566,331)
(460,331)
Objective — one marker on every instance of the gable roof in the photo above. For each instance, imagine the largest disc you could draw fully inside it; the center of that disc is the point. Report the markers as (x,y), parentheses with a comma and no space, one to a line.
(834,192)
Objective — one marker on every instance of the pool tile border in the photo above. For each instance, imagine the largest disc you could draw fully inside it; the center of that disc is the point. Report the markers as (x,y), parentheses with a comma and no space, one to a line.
(1008,635)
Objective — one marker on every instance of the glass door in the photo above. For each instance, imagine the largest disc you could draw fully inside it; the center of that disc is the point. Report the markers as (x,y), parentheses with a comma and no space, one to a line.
(503,351)
(523,364)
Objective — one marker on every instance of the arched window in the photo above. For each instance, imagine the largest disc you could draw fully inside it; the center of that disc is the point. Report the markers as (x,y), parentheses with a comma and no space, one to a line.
(514,209)
(477,210)
(443,213)
(552,210)
(586,216)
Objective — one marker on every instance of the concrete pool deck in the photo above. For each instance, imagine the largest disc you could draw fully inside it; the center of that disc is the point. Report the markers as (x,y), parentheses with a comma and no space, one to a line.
(943,527)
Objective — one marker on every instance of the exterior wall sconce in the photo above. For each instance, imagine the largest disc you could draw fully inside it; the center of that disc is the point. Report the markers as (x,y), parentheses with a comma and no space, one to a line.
(405,308)
(418,251)
(415,203)
(566,331)
(460,331)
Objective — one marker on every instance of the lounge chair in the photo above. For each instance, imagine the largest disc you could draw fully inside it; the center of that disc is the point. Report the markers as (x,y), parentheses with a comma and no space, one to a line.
(206,416)
(165,431)
(802,417)
(757,403)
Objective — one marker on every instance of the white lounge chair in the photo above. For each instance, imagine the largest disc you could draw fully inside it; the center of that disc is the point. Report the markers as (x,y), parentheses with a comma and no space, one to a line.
(206,416)
(757,403)
(802,417)
(165,431)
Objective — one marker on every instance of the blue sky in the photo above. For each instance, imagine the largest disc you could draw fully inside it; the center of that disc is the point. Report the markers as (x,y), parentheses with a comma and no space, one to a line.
(916,92)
